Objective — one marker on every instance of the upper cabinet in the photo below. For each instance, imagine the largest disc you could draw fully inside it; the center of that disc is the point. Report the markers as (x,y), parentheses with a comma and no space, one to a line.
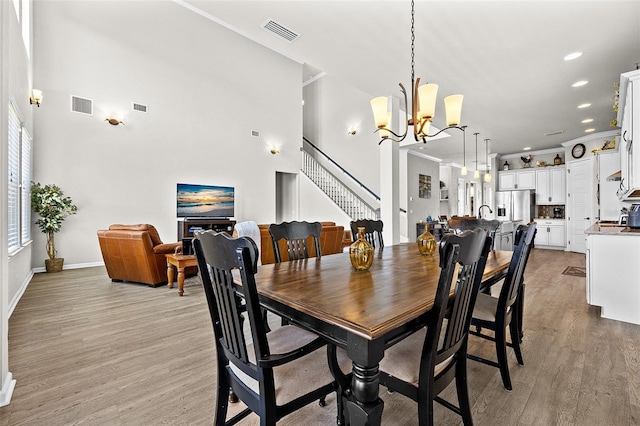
(550,185)
(517,179)
(629,120)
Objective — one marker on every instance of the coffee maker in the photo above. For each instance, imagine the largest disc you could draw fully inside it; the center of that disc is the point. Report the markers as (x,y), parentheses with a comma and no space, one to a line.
(557,212)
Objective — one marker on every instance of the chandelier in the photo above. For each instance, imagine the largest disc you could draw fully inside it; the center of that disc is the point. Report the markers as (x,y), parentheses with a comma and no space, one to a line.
(423,102)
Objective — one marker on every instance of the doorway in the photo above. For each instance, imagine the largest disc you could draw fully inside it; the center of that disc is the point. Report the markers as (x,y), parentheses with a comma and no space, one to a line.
(286,197)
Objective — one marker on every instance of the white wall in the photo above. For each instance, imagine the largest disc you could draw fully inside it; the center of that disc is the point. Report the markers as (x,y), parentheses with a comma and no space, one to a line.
(420,208)
(206,89)
(15,84)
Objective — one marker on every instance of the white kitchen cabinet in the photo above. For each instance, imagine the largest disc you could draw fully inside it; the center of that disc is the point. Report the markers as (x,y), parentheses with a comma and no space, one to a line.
(550,186)
(551,234)
(629,121)
(516,179)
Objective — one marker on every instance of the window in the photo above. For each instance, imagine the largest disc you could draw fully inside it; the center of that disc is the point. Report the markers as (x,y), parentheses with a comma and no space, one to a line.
(19,183)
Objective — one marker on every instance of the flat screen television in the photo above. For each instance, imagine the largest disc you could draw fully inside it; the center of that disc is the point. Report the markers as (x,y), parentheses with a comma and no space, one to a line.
(205,201)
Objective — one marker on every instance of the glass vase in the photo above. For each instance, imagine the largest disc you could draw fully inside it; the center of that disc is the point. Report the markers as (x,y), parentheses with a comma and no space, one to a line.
(361,252)
(427,243)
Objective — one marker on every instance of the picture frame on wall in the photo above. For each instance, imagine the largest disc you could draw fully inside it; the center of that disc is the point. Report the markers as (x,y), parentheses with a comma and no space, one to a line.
(424,186)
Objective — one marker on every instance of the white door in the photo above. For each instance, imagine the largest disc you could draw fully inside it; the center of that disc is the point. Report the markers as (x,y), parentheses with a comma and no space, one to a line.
(579,182)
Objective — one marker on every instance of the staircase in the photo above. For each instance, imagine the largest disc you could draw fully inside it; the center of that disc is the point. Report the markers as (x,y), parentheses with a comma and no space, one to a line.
(339,191)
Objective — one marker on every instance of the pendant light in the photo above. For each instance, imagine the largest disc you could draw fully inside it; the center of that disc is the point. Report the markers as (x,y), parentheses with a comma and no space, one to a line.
(423,101)
(476,173)
(487,175)
(464,171)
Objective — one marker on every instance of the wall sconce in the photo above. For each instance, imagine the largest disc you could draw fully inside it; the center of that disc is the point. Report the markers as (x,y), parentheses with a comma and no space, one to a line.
(352,131)
(274,150)
(36,97)
(113,121)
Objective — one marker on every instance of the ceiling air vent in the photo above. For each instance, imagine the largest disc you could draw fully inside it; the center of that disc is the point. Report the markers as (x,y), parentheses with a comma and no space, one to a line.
(81,105)
(140,107)
(280,30)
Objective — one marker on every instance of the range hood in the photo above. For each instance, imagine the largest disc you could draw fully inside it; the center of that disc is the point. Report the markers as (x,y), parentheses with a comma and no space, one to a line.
(615,176)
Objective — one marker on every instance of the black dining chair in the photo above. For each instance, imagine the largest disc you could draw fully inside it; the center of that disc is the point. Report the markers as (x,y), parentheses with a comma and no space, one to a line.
(372,231)
(422,365)
(459,224)
(297,236)
(498,313)
(274,373)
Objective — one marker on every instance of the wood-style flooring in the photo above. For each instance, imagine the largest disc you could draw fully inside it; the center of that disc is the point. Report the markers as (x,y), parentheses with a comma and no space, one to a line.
(86,351)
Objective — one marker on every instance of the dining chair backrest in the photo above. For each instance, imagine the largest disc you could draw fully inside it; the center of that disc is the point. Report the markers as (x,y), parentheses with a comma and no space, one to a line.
(259,371)
(471,249)
(297,236)
(424,363)
(372,231)
(515,273)
(218,254)
(459,224)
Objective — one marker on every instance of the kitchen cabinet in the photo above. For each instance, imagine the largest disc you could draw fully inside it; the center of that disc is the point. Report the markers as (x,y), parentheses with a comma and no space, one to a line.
(629,121)
(516,179)
(550,186)
(551,234)
(608,163)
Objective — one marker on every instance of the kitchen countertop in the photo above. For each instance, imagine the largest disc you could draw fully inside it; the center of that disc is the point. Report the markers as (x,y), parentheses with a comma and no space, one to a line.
(611,229)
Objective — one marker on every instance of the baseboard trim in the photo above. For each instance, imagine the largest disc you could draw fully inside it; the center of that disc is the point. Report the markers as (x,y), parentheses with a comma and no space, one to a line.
(18,296)
(72,266)
(7,390)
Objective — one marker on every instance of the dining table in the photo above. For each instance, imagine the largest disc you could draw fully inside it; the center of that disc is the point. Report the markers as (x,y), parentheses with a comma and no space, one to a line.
(360,311)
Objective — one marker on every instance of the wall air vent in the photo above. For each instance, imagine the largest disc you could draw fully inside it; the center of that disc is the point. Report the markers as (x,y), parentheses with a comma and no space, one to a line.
(81,105)
(557,132)
(255,133)
(140,107)
(280,30)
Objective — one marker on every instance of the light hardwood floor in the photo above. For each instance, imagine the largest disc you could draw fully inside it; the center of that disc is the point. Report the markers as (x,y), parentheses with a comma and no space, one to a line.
(88,351)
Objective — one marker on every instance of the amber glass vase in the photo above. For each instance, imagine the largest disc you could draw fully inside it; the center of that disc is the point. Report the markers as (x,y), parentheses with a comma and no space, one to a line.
(361,252)
(427,243)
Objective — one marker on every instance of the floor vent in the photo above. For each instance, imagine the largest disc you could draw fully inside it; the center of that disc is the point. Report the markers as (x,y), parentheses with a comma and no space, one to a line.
(81,105)
(280,30)
(140,107)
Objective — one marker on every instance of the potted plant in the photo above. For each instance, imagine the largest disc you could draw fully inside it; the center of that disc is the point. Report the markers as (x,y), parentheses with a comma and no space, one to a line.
(49,202)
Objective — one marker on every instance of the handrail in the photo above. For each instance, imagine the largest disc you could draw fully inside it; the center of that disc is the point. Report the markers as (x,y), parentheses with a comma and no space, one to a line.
(363,186)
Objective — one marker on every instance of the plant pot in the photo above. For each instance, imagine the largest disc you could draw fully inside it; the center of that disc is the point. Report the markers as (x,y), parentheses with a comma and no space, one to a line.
(54,265)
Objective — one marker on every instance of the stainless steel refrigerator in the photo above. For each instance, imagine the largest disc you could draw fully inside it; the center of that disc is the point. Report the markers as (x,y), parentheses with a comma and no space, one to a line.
(516,206)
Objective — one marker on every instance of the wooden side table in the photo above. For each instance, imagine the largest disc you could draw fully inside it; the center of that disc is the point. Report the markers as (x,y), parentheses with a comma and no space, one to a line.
(179,262)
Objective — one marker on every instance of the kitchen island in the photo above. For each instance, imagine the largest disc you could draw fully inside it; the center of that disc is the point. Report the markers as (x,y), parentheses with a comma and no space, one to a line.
(613,260)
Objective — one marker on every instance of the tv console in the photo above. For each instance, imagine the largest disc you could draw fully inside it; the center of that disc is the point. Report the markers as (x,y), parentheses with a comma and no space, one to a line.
(187,226)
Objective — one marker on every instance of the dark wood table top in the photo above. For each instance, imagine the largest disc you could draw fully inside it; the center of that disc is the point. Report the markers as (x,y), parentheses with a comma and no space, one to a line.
(399,287)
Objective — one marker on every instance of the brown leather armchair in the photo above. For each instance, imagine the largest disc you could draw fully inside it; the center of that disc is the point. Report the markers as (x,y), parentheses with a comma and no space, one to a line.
(136,253)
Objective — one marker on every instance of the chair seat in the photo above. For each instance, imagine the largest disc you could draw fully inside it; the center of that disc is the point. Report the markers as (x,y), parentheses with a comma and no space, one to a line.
(312,367)
(408,350)
(485,308)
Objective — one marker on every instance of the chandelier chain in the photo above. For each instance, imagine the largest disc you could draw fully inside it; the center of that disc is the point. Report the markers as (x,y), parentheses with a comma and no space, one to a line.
(413,40)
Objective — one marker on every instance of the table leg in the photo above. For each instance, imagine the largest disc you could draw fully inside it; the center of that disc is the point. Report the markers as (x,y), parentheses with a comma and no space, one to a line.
(170,275)
(362,404)
(180,281)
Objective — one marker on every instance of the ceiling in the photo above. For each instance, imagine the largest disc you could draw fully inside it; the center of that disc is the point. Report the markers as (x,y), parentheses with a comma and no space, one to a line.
(505,57)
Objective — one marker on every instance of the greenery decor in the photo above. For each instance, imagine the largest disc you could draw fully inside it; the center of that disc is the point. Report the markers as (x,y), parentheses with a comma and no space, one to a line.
(49,202)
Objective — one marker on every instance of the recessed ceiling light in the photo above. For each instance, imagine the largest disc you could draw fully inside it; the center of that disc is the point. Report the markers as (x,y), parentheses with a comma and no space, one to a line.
(572,56)
(526,148)
(590,130)
(579,83)
(588,120)
(584,105)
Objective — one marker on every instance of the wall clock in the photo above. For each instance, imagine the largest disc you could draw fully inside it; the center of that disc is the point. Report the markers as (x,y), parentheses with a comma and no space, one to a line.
(578,150)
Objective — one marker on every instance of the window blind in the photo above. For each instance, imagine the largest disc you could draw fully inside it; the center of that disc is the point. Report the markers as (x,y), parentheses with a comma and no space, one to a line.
(14,179)
(25,189)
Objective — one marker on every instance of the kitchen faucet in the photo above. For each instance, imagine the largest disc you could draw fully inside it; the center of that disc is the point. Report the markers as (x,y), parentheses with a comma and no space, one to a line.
(480,210)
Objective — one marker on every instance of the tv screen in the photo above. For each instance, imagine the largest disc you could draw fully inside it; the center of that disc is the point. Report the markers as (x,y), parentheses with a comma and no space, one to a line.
(205,201)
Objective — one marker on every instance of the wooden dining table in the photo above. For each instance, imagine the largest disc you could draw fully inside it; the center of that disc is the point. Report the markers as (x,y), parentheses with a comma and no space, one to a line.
(360,311)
